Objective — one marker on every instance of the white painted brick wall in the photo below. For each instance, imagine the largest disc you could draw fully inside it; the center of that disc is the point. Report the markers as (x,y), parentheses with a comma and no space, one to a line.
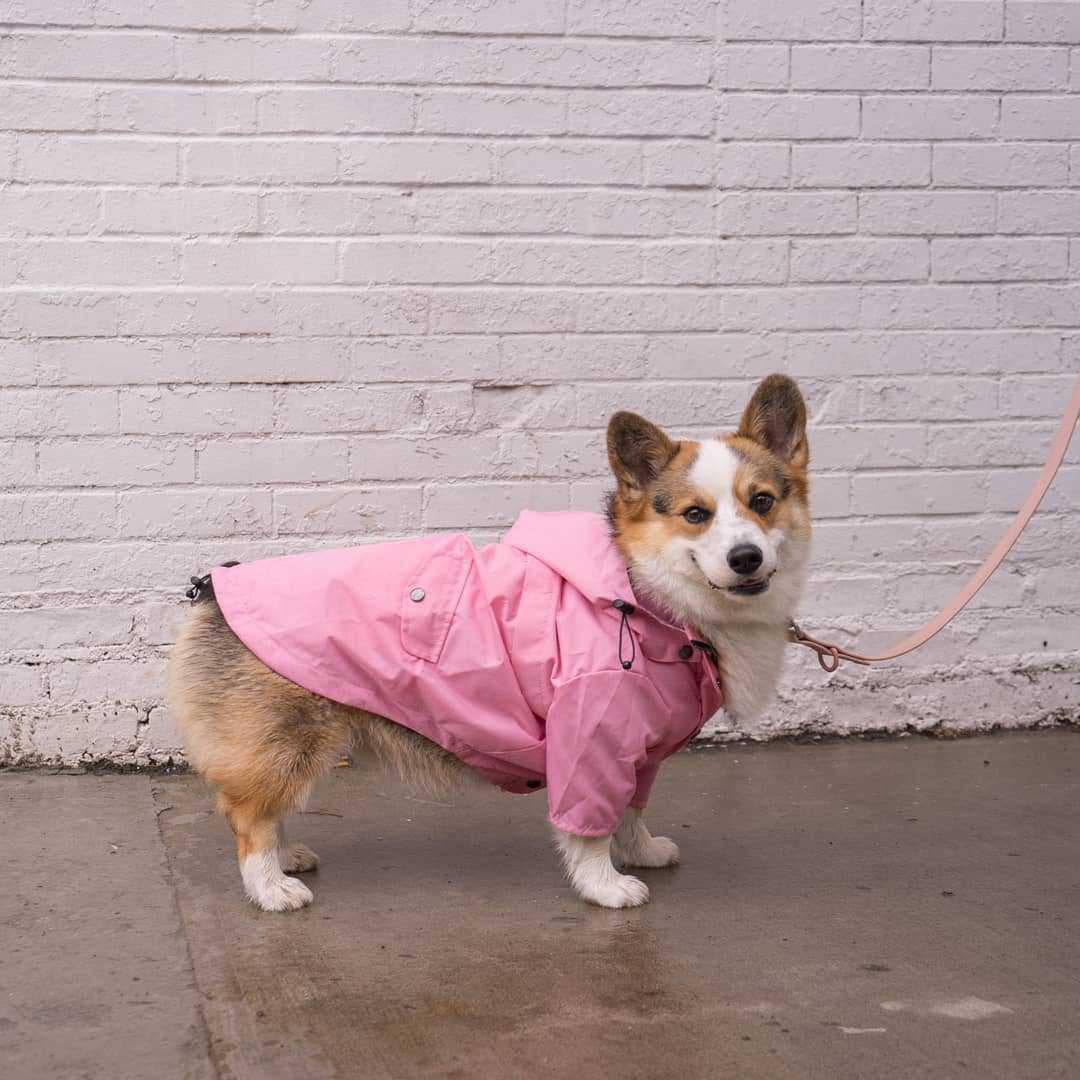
(277,274)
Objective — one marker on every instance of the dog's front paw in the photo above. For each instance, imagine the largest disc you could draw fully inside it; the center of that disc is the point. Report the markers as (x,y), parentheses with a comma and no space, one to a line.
(656,851)
(617,891)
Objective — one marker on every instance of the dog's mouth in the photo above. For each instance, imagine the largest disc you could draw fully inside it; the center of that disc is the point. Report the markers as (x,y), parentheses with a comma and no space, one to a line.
(753,586)
(748,588)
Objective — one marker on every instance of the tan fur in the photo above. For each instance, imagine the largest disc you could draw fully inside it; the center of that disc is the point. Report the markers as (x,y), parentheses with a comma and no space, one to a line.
(263,741)
(639,526)
(762,471)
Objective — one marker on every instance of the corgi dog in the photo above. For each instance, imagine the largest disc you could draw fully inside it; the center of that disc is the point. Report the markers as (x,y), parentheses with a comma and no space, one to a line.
(574,655)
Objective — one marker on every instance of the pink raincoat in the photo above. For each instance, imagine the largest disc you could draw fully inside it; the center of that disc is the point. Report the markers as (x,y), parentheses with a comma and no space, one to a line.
(530,660)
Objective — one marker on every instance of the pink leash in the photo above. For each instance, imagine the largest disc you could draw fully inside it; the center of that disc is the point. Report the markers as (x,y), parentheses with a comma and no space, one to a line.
(829,656)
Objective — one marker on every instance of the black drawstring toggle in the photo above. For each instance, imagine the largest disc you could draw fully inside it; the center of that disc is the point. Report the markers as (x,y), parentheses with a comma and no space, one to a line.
(625,610)
(204,584)
(198,584)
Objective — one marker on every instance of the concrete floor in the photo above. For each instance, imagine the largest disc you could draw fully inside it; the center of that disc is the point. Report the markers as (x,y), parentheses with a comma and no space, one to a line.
(849,910)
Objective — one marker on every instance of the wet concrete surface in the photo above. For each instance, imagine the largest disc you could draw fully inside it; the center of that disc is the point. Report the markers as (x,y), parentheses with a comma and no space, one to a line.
(848,910)
(95,978)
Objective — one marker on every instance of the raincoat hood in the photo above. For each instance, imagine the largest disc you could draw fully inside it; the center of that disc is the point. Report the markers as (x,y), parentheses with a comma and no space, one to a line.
(530,660)
(579,548)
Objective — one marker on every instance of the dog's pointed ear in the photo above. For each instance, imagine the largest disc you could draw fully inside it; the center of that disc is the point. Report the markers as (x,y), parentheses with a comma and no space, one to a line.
(637,449)
(775,418)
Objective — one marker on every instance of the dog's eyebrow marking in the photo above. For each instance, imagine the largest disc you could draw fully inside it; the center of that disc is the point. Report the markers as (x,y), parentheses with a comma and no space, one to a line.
(661,502)
(761,468)
(777,479)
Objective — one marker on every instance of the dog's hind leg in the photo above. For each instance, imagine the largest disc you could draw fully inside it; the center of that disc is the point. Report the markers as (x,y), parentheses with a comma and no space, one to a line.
(295,858)
(258,832)
(262,741)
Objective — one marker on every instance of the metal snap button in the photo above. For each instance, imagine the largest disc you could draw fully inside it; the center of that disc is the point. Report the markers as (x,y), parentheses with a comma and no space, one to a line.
(686,652)
(417,594)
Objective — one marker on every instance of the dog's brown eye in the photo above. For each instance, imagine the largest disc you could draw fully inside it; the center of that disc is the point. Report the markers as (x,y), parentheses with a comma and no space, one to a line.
(695,515)
(762,502)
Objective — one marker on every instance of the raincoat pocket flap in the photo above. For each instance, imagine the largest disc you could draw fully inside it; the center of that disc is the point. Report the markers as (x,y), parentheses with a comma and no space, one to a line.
(431,597)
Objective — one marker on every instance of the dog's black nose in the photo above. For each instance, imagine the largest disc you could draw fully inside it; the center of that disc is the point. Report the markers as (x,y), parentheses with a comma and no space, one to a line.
(744,558)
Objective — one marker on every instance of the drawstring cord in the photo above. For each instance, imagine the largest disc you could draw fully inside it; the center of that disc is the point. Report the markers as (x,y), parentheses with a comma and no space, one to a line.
(625,610)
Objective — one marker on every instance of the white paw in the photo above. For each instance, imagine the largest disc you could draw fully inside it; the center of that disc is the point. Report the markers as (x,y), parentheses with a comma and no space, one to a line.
(285,894)
(659,851)
(298,858)
(617,891)
(268,888)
